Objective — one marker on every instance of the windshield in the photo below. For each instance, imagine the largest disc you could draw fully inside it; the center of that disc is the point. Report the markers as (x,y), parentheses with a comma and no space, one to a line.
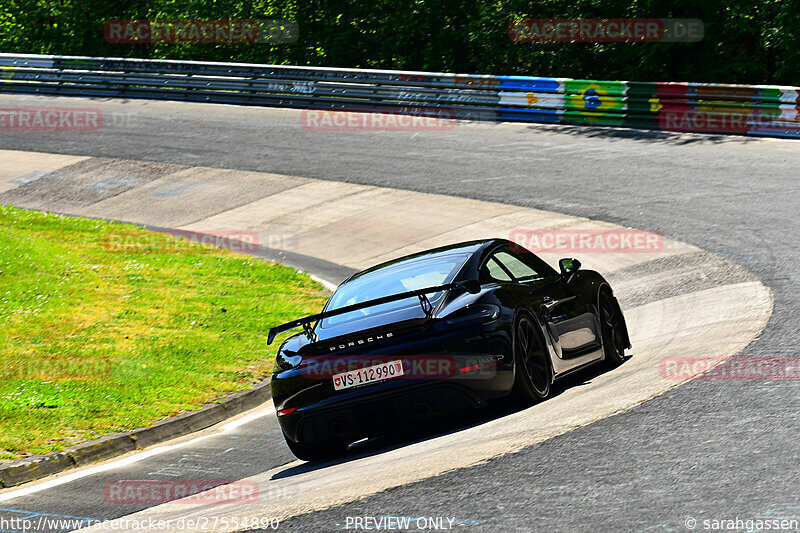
(400,277)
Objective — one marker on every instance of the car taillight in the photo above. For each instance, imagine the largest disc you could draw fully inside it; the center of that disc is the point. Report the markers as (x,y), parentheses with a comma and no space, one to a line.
(479,366)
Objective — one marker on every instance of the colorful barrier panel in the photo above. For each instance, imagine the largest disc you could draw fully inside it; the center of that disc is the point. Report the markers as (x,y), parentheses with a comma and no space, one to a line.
(769,110)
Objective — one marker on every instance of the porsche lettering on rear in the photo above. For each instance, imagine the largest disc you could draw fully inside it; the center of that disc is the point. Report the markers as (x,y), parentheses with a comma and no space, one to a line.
(359,342)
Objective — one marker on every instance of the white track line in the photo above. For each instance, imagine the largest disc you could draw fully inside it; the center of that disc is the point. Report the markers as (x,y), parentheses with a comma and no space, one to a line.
(327,284)
(136,457)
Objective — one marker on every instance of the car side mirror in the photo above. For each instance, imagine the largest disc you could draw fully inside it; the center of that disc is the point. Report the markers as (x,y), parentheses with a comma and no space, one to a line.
(568,266)
(473,286)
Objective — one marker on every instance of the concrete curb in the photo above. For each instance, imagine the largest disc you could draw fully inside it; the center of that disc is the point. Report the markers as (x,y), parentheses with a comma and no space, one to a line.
(326,272)
(38,467)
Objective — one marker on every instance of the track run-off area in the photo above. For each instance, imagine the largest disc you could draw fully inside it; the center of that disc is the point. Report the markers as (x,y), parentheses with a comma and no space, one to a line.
(627,449)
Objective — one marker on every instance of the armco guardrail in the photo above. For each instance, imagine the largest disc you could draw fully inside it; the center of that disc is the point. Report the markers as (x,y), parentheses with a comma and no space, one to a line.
(691,107)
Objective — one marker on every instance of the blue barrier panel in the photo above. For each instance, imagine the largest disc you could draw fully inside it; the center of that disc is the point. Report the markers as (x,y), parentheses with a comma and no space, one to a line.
(550,116)
(525,83)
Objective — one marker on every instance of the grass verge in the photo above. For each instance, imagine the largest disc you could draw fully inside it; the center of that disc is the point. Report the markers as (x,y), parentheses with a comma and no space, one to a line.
(106,327)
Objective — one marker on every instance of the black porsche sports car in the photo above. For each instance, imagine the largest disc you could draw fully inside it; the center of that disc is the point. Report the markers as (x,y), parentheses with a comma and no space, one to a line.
(435,332)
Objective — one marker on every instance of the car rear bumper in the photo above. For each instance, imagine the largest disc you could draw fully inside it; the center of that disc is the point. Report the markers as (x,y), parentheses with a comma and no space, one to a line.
(442,373)
(380,412)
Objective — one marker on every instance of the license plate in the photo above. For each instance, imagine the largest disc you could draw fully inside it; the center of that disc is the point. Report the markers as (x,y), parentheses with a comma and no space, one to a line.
(369,374)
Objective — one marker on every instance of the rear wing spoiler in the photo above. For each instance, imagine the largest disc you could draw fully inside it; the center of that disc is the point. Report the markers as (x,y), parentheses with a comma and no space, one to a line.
(308,322)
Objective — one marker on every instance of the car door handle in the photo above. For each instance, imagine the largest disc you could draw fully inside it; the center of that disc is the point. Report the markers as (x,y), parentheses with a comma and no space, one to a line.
(548,302)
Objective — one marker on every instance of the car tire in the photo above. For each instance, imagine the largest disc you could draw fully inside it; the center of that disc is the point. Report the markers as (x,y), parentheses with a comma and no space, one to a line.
(317,452)
(533,374)
(612,325)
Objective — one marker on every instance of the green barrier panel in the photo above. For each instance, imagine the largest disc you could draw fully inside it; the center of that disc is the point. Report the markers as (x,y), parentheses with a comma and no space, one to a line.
(593,119)
(612,88)
(594,98)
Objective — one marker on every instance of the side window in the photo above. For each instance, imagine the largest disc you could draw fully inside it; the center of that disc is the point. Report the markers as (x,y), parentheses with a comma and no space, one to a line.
(493,272)
(530,259)
(520,270)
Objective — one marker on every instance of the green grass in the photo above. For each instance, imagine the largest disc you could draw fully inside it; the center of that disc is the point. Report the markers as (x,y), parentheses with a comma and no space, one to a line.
(96,339)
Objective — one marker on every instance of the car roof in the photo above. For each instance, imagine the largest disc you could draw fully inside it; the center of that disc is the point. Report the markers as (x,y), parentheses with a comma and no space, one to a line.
(468,247)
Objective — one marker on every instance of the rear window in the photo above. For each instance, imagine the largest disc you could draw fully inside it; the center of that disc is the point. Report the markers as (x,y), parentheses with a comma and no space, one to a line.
(394,279)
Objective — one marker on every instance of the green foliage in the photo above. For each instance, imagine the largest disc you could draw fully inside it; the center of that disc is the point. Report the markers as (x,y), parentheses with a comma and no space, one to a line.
(745,41)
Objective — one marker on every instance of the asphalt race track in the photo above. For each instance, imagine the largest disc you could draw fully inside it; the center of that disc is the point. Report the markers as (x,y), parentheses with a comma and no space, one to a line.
(704,450)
